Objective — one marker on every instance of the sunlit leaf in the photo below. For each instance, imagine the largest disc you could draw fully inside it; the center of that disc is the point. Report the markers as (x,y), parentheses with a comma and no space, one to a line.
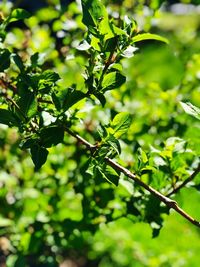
(121,123)
(113,80)
(18,14)
(191,109)
(149,36)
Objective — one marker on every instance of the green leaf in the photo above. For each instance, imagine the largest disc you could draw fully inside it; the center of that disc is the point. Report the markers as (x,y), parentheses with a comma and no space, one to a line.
(114,143)
(191,109)
(34,60)
(4,59)
(69,97)
(142,155)
(18,14)
(95,17)
(93,12)
(110,44)
(2,34)
(51,135)
(120,124)
(4,222)
(47,81)
(29,142)
(6,117)
(109,174)
(50,75)
(108,30)
(18,61)
(28,104)
(39,156)
(149,36)
(101,98)
(112,80)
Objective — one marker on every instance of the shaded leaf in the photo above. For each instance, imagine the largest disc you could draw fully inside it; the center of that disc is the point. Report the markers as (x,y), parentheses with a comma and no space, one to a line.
(50,75)
(101,98)
(51,135)
(47,81)
(68,98)
(7,117)
(34,60)
(29,142)
(18,61)
(4,59)
(39,156)
(28,104)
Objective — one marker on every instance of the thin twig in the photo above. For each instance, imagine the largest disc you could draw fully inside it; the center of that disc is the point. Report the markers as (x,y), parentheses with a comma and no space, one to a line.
(184,183)
(88,145)
(41,100)
(165,199)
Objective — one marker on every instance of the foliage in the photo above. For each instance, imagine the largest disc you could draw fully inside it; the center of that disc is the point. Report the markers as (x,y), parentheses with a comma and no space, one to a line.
(80,88)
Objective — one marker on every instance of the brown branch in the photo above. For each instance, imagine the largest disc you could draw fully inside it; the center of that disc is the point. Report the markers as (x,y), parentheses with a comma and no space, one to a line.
(45,101)
(88,145)
(168,202)
(5,84)
(184,183)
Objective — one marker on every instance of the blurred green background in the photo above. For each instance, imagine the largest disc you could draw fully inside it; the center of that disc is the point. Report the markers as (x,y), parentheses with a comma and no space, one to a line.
(59,215)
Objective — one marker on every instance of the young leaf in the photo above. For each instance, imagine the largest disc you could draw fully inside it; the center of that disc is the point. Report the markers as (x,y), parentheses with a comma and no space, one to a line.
(142,155)
(95,17)
(18,14)
(93,12)
(113,80)
(6,117)
(149,36)
(121,123)
(191,109)
(51,135)
(39,156)
(4,59)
